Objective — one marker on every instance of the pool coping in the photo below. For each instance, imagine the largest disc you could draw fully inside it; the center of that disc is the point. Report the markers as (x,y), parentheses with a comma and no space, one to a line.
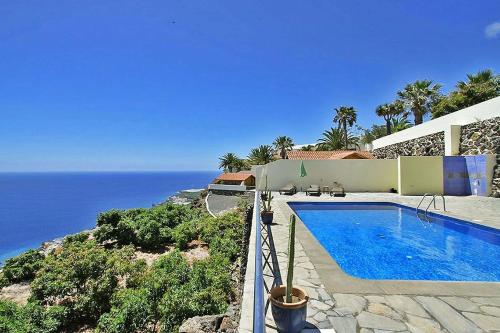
(337,281)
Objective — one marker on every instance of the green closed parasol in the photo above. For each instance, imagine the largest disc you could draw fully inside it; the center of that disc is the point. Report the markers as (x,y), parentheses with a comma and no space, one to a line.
(303,171)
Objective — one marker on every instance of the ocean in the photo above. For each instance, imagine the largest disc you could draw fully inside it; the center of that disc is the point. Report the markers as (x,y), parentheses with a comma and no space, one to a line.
(38,207)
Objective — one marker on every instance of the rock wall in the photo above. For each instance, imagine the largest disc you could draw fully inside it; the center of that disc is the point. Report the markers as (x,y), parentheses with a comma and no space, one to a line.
(483,137)
(429,145)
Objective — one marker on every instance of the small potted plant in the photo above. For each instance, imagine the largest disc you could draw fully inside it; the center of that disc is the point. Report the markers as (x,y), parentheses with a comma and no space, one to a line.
(289,303)
(267,214)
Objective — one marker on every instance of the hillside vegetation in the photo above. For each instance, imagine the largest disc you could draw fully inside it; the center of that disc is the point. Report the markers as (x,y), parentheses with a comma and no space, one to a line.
(98,283)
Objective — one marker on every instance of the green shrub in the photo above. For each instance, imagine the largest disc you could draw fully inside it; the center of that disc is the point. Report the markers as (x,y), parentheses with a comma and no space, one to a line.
(205,292)
(3,281)
(131,312)
(230,224)
(227,246)
(12,318)
(31,318)
(120,230)
(23,267)
(83,277)
(76,238)
(111,217)
(183,233)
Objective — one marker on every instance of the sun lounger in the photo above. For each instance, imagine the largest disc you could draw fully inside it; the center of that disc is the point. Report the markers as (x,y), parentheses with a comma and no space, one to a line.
(313,189)
(289,189)
(337,190)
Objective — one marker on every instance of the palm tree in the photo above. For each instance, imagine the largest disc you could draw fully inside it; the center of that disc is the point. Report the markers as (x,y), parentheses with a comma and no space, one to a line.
(400,123)
(346,115)
(228,162)
(419,97)
(241,164)
(333,139)
(262,155)
(479,87)
(283,144)
(388,111)
(307,148)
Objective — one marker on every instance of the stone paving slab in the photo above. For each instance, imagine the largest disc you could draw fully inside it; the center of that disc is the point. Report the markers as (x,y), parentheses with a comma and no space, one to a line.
(383,312)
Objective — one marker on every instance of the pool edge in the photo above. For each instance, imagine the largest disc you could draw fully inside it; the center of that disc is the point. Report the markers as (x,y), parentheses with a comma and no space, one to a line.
(336,280)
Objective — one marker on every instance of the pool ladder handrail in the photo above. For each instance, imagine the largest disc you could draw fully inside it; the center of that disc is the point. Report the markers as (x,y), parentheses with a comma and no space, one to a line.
(421,200)
(434,202)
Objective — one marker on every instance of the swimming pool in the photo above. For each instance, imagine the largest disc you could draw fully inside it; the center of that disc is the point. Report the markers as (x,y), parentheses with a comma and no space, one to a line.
(387,241)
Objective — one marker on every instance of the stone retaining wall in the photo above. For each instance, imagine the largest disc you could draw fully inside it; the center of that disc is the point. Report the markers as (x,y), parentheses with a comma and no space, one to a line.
(429,145)
(483,137)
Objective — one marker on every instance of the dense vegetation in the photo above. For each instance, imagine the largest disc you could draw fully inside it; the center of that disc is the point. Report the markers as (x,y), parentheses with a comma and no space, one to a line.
(418,99)
(97,281)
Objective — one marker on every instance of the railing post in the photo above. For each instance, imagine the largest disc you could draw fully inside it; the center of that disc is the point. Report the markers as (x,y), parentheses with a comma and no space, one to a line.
(258,305)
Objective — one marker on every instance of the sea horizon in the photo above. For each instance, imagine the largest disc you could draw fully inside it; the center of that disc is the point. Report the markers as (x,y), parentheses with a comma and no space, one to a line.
(37,207)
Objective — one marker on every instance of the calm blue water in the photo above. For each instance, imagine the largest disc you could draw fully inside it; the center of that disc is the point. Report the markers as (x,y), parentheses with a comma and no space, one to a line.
(385,241)
(36,207)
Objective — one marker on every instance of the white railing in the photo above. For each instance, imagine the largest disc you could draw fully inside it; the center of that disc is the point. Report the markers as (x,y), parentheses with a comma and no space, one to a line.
(222,187)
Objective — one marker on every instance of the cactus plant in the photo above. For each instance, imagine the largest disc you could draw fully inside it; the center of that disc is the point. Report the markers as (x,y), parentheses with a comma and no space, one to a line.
(288,302)
(291,259)
(266,204)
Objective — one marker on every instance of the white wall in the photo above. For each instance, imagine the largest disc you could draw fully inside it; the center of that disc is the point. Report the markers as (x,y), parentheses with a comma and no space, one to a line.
(355,175)
(482,111)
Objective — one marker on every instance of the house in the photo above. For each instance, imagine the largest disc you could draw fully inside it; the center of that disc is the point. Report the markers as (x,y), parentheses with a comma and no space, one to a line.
(233,181)
(329,155)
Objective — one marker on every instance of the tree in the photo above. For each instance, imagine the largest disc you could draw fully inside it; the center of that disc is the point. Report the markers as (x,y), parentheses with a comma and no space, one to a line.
(346,116)
(388,111)
(375,132)
(228,161)
(283,144)
(307,148)
(261,155)
(478,88)
(333,139)
(419,97)
(400,123)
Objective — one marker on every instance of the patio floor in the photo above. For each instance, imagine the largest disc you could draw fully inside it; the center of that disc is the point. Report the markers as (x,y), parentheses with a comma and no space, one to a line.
(341,303)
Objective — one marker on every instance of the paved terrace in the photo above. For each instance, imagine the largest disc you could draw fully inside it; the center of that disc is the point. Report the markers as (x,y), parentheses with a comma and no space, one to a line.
(341,303)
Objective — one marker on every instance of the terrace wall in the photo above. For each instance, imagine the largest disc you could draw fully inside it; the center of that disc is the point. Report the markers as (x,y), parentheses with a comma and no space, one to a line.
(354,175)
(471,131)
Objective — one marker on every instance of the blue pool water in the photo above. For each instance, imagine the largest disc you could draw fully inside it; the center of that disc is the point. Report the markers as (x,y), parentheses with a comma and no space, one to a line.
(388,241)
(37,207)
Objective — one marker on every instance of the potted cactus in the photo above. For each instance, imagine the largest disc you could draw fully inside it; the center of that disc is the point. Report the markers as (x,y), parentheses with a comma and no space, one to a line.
(289,303)
(263,195)
(267,214)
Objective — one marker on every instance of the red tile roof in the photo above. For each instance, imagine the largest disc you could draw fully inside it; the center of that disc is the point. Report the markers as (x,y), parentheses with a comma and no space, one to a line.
(329,155)
(238,176)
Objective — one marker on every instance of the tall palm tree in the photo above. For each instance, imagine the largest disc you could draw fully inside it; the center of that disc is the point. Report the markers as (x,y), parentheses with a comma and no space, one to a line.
(283,144)
(479,87)
(333,139)
(346,115)
(228,162)
(388,111)
(261,155)
(419,97)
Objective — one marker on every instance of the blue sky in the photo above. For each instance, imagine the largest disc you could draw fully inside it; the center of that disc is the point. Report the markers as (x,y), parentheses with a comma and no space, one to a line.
(172,85)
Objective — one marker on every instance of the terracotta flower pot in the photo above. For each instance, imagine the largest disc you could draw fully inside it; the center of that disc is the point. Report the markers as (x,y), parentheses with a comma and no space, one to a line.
(289,317)
(266,217)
